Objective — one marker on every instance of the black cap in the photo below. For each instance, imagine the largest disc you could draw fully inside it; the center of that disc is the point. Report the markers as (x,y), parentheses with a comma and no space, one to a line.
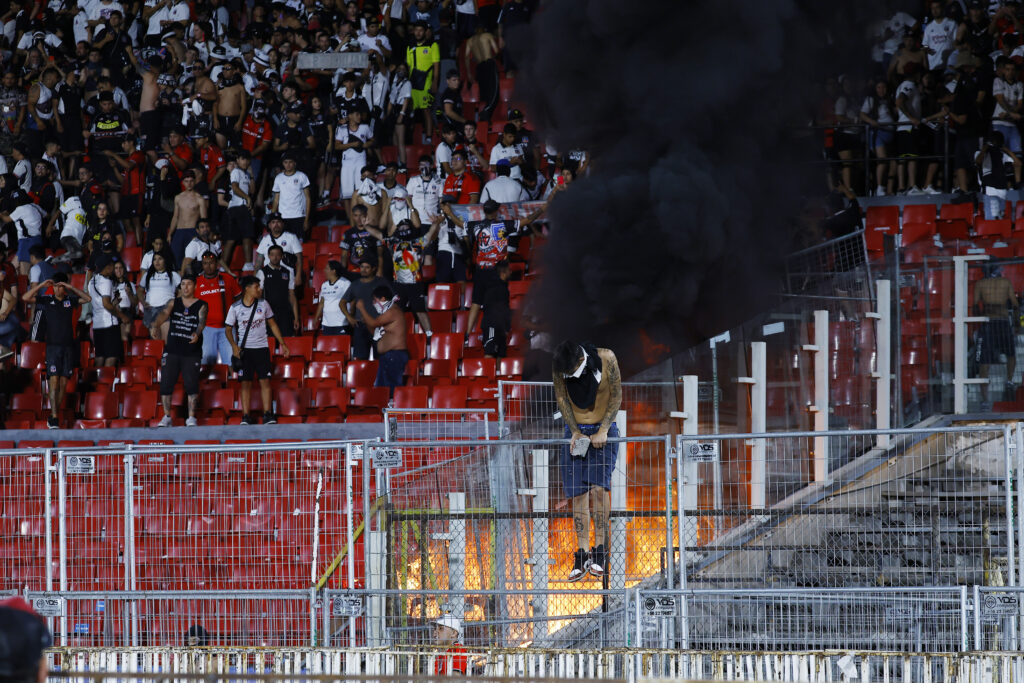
(202,132)
(515,114)
(490,206)
(106,96)
(274,216)
(288,156)
(295,107)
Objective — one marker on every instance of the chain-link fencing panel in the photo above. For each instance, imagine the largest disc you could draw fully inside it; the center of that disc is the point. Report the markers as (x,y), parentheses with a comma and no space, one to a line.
(492,522)
(932,508)
(26,531)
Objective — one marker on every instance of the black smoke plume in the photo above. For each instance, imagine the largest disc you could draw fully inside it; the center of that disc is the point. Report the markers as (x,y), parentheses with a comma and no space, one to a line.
(688,110)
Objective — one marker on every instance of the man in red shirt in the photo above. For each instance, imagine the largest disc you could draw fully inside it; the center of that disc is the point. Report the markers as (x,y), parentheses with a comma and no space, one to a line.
(461,183)
(447,632)
(133,183)
(257,135)
(177,151)
(218,290)
(210,156)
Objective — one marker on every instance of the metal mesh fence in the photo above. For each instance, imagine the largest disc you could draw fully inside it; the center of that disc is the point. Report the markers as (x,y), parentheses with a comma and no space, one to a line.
(25,534)
(905,619)
(933,509)
(496,519)
(838,268)
(180,618)
(528,409)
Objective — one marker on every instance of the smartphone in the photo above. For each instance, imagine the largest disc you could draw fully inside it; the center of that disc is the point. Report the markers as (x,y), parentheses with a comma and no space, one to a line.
(560,180)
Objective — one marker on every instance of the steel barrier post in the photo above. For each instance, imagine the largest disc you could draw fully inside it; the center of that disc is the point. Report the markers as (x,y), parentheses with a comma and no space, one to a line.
(1011,535)
(688,476)
(964,646)
(62,540)
(821,395)
(961,316)
(457,553)
(540,552)
(128,462)
(350,552)
(978,645)
(883,347)
(758,423)
(501,409)
(617,523)
(1018,444)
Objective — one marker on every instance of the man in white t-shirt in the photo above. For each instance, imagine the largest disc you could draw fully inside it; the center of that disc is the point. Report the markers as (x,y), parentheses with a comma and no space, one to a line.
(351,140)
(291,245)
(503,189)
(444,150)
(1009,96)
(28,224)
(375,41)
(292,197)
(204,241)
(508,149)
(939,35)
(107,315)
(239,226)
(332,316)
(425,190)
(246,325)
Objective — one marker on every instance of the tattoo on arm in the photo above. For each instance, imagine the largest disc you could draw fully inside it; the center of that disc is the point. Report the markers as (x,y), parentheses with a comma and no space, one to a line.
(615,394)
(564,405)
(202,320)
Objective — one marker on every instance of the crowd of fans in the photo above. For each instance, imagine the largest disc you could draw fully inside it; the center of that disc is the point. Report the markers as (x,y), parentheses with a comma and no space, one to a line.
(188,132)
(946,93)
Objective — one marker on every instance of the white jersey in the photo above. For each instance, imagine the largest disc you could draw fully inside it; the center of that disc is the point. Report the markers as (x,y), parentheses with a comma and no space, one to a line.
(23,174)
(28,220)
(75,221)
(375,91)
(500,151)
(400,91)
(1012,94)
(159,287)
(291,195)
(352,155)
(244,181)
(197,247)
(912,96)
(287,241)
(98,288)
(238,318)
(426,196)
(939,35)
(443,155)
(332,294)
(503,190)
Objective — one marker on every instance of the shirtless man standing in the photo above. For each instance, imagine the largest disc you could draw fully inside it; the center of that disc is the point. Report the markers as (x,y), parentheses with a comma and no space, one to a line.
(149,117)
(231,107)
(389,333)
(482,48)
(588,390)
(189,207)
(994,297)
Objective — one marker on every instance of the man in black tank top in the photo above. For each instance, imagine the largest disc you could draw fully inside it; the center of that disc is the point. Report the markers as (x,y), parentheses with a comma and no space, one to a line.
(278,282)
(183,351)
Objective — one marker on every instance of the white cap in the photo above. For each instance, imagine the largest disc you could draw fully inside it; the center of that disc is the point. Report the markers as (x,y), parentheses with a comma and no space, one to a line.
(399,193)
(452,623)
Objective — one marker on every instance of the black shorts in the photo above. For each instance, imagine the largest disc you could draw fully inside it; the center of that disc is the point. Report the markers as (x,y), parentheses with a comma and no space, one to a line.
(239,225)
(846,142)
(60,360)
(172,365)
(131,206)
(411,295)
(483,279)
(495,340)
(994,339)
(107,342)
(965,151)
(296,226)
(908,143)
(150,130)
(255,365)
(451,267)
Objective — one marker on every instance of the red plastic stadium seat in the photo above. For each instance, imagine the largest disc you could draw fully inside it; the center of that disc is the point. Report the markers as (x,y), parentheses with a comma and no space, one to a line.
(100,406)
(331,402)
(299,347)
(290,369)
(293,402)
(919,213)
(961,212)
(138,376)
(370,397)
(132,257)
(479,367)
(325,369)
(510,366)
(332,347)
(32,356)
(218,400)
(444,297)
(449,397)
(361,373)
(411,397)
(140,405)
(446,346)
(994,228)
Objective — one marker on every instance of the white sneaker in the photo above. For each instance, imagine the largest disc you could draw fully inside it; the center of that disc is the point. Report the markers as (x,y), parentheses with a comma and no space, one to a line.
(879,191)
(166,421)
(930,190)
(915,190)
(191,422)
